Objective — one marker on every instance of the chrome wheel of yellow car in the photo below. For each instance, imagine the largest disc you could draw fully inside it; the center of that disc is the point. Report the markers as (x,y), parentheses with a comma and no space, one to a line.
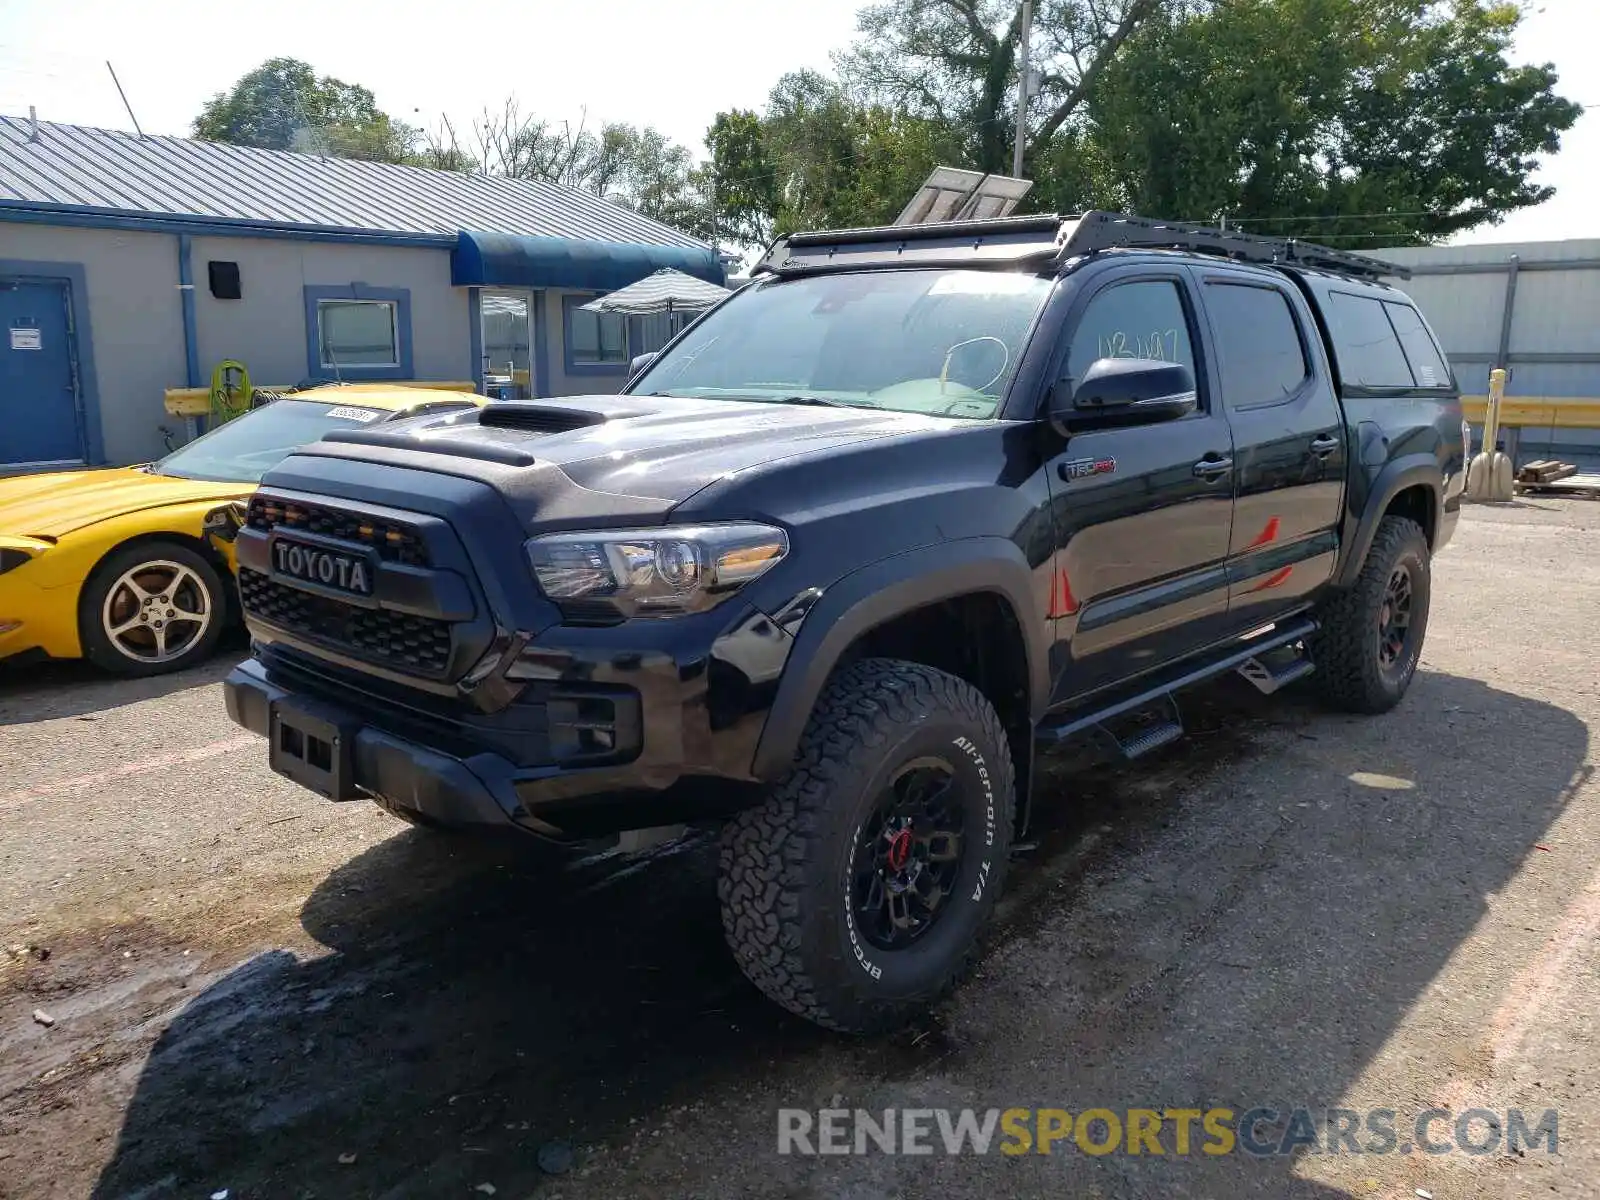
(152,608)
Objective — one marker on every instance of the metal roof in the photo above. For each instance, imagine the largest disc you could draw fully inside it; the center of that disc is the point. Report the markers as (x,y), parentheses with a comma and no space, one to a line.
(74,169)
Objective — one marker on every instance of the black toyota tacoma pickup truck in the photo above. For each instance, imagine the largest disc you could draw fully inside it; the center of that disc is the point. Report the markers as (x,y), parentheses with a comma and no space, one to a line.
(913,503)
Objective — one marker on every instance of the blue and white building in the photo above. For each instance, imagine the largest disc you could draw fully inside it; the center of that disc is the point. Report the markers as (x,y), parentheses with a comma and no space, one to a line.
(130,265)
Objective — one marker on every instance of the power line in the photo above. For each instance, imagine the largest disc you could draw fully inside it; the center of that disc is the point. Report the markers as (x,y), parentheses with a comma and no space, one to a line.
(1336,217)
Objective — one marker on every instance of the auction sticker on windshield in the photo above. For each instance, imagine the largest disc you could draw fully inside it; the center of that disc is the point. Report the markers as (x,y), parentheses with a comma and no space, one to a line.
(346,413)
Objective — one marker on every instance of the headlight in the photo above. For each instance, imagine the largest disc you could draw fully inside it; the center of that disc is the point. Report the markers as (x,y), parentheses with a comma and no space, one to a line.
(653,572)
(225,520)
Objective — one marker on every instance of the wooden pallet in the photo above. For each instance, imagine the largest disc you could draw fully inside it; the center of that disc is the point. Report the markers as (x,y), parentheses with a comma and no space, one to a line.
(1584,485)
(1546,470)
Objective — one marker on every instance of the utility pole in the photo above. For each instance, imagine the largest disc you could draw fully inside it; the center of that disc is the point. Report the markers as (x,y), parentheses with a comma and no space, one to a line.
(1022,89)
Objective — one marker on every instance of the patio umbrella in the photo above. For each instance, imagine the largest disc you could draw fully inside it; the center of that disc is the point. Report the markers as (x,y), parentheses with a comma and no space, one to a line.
(667,291)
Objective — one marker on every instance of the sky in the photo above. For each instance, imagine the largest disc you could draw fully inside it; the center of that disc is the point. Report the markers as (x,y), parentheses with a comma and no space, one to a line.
(669,63)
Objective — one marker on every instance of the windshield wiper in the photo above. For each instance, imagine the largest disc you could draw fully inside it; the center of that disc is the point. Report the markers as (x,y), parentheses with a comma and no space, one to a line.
(814,401)
(758,398)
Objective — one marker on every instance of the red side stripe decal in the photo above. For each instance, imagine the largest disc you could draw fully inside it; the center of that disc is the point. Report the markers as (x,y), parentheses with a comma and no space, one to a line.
(1273,580)
(1268,534)
(1069,602)
(1062,602)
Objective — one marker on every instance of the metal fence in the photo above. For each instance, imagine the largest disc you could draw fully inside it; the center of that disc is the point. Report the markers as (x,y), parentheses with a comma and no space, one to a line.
(1534,309)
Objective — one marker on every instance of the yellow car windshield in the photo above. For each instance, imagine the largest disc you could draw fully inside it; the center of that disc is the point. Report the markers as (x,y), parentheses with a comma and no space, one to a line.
(249,446)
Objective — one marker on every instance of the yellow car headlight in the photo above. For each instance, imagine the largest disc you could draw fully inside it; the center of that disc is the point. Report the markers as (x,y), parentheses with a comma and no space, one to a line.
(225,521)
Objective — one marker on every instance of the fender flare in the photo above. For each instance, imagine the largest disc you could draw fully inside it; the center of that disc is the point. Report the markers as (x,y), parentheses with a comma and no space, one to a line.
(881,591)
(1402,473)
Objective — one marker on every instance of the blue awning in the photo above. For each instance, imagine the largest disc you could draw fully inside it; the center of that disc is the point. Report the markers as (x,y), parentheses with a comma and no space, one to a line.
(511,260)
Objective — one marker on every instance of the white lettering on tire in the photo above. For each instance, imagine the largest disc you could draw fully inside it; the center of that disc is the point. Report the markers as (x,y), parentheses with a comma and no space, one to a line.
(965,745)
(971,751)
(866,964)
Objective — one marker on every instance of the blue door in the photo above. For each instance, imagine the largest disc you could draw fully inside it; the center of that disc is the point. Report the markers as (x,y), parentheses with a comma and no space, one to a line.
(39,419)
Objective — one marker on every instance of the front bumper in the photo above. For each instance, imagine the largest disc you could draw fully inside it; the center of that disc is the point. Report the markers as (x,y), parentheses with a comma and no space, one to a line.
(678,730)
(447,790)
(452,687)
(35,618)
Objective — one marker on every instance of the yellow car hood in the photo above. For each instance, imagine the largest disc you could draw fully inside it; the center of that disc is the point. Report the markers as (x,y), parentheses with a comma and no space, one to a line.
(55,504)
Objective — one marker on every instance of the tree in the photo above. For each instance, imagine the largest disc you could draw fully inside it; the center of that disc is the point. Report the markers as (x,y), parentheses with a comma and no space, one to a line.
(636,167)
(283,105)
(655,177)
(1300,117)
(954,62)
(817,159)
(1360,122)
(747,193)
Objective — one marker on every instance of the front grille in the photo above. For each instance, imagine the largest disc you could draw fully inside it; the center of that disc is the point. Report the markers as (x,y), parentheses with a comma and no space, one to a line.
(418,644)
(394,542)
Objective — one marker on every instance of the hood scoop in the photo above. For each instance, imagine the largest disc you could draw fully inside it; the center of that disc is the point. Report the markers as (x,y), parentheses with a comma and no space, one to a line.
(531,417)
(453,434)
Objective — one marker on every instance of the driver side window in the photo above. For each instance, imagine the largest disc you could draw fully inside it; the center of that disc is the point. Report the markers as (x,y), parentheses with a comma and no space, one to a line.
(1142,319)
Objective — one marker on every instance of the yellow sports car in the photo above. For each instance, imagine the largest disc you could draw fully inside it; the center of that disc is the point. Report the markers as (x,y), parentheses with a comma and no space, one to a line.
(114,564)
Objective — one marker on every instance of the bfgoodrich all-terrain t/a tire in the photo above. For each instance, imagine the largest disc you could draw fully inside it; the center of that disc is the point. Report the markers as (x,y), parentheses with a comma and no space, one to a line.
(854,895)
(1369,639)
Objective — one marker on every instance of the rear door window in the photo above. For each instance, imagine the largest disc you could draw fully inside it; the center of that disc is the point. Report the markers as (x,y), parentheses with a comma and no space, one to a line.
(1259,349)
(1427,364)
(1368,348)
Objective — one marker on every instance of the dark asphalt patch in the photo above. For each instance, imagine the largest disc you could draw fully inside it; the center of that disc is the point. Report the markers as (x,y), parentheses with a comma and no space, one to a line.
(484,1000)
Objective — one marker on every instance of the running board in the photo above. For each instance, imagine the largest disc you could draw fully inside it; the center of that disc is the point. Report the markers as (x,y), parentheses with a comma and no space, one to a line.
(1152,738)
(1077,720)
(1141,739)
(1268,678)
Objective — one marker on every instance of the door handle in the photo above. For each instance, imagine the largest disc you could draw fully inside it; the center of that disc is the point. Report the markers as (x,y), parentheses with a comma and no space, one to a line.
(1324,445)
(1211,469)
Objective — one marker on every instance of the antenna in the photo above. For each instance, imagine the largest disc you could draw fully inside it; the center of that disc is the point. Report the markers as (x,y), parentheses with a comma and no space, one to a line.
(124,96)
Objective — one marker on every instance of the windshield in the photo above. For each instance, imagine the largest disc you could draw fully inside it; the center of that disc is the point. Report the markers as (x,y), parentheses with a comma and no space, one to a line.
(249,446)
(926,341)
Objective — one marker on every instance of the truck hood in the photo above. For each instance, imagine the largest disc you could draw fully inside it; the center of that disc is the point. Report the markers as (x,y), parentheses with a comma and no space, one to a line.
(56,504)
(658,448)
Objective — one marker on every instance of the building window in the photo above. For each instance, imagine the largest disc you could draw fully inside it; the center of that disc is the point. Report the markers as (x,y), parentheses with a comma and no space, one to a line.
(354,331)
(357,333)
(656,331)
(596,341)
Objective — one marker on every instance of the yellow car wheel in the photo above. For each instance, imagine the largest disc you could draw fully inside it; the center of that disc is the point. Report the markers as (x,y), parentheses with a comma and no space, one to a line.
(150,608)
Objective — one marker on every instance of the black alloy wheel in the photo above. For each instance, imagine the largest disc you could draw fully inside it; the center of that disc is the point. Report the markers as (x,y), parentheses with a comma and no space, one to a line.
(908,856)
(1394,617)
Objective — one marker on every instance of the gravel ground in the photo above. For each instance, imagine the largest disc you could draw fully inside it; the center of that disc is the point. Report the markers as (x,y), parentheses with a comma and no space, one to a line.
(255,991)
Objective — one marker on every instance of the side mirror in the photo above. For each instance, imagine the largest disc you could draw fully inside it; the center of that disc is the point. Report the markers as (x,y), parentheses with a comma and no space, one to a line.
(1123,391)
(640,362)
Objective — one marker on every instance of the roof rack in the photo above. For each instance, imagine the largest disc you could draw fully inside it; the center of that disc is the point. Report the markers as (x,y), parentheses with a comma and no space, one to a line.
(1046,240)
(1105,230)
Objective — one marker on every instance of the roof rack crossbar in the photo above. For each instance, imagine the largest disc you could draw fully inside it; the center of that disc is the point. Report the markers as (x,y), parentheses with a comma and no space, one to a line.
(1047,223)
